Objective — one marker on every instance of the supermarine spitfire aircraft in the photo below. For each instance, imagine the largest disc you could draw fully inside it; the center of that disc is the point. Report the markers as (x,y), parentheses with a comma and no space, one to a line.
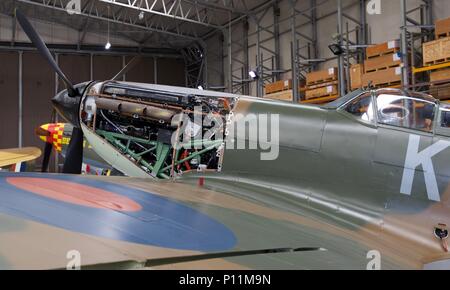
(359,183)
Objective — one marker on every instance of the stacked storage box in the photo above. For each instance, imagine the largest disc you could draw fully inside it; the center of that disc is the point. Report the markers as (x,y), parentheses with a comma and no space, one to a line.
(356,74)
(282,90)
(278,87)
(322,84)
(382,66)
(438,53)
(442,28)
(441,90)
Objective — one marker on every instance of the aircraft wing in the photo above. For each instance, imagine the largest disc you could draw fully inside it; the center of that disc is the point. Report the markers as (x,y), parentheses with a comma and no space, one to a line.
(119,222)
(16,155)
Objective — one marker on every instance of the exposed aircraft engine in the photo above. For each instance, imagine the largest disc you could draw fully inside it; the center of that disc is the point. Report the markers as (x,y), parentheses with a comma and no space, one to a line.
(165,134)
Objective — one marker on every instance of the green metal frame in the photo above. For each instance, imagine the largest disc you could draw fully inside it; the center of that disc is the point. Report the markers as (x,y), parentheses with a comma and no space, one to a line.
(160,150)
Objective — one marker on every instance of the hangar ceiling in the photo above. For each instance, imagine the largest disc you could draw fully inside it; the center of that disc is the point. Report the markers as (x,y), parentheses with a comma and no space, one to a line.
(149,23)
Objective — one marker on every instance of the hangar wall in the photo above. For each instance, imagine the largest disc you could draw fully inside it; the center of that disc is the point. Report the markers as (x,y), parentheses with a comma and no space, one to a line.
(382,28)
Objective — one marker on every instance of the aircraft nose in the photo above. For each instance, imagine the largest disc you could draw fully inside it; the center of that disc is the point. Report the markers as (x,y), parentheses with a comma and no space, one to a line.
(67,107)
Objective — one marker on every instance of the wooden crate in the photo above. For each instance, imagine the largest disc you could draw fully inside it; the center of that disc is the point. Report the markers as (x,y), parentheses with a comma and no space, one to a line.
(320,101)
(442,28)
(321,92)
(382,62)
(356,73)
(278,86)
(440,75)
(435,52)
(382,48)
(312,87)
(281,96)
(386,77)
(323,76)
(441,92)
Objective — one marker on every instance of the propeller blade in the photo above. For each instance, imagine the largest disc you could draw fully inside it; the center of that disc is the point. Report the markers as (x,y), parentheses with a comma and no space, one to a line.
(47,153)
(132,63)
(43,50)
(74,154)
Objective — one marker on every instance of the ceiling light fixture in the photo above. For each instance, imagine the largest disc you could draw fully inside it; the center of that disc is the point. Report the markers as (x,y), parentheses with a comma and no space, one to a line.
(253,75)
(336,49)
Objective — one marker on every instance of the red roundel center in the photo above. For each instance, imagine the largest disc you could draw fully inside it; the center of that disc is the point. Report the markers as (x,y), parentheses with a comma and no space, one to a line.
(75,193)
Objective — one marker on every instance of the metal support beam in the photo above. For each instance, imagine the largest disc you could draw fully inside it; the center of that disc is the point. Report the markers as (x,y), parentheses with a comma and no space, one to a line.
(20,125)
(428,17)
(246,68)
(155,70)
(56,115)
(230,59)
(205,65)
(84,30)
(124,63)
(294,52)
(315,53)
(363,38)
(259,63)
(83,33)
(276,35)
(13,30)
(196,12)
(404,43)
(99,50)
(341,58)
(91,68)
(94,12)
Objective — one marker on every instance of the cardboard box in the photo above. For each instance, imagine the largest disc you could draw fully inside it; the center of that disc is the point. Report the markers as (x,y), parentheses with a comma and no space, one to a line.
(440,75)
(356,73)
(321,92)
(322,76)
(442,28)
(441,92)
(383,77)
(383,48)
(281,96)
(437,51)
(321,85)
(278,86)
(382,62)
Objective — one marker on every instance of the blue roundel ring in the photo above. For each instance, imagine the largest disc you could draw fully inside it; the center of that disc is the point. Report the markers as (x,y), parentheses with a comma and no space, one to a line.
(160,221)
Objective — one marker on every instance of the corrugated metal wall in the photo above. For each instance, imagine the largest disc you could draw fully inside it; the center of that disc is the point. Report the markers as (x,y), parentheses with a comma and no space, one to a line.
(38,89)
(143,72)
(39,86)
(171,72)
(106,67)
(76,67)
(9,96)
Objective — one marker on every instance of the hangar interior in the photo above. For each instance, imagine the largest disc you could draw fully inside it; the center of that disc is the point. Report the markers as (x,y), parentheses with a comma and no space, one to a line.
(246,47)
(224,134)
